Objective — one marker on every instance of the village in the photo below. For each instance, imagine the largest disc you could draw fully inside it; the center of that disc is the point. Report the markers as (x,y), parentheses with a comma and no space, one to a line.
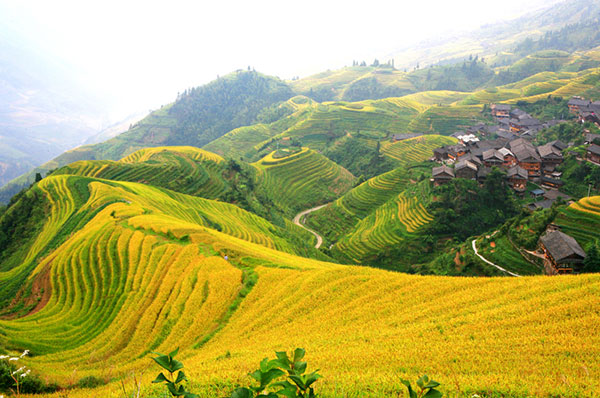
(529,169)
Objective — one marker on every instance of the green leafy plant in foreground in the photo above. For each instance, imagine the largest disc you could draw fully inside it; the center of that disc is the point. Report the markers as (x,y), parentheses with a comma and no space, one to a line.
(425,388)
(297,384)
(171,365)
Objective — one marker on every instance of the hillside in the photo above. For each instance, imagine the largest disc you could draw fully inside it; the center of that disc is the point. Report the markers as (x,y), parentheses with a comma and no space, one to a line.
(301,180)
(138,273)
(198,116)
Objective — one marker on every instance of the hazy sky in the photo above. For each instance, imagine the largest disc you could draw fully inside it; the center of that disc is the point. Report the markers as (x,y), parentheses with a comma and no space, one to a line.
(139,54)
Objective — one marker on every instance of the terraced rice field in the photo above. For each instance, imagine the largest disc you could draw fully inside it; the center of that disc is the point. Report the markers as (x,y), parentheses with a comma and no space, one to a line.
(303,179)
(416,149)
(388,225)
(185,169)
(581,219)
(146,272)
(446,120)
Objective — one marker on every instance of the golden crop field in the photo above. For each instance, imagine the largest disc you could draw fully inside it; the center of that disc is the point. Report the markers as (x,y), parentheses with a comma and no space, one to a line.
(146,273)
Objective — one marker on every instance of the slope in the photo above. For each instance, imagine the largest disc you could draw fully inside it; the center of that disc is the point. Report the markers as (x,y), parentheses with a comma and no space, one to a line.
(124,284)
(301,180)
(198,116)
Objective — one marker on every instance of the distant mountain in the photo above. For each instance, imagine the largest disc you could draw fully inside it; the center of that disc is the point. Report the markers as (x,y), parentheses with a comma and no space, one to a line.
(43,112)
(198,116)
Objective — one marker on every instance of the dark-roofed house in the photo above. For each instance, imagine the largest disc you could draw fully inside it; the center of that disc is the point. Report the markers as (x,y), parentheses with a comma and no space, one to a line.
(492,157)
(527,157)
(550,155)
(483,173)
(558,144)
(593,153)
(521,125)
(589,138)
(554,194)
(500,110)
(465,169)
(562,251)
(473,159)
(576,103)
(544,204)
(517,178)
(552,182)
(518,114)
(442,174)
(440,153)
(508,157)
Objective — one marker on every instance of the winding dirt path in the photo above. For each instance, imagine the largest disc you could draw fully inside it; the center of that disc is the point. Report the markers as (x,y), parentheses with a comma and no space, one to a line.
(489,262)
(298,221)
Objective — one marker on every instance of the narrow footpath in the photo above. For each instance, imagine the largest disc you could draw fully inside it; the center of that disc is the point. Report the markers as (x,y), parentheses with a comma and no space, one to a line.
(489,262)
(300,217)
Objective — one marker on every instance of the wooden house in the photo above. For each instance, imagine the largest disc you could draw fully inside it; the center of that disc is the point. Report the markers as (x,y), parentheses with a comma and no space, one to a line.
(576,103)
(517,178)
(465,169)
(528,159)
(562,251)
(550,182)
(500,110)
(492,157)
(522,125)
(590,138)
(482,174)
(508,158)
(442,174)
(550,155)
(593,153)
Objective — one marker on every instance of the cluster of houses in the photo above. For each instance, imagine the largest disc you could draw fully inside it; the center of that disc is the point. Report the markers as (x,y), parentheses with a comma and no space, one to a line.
(586,110)
(512,150)
(520,158)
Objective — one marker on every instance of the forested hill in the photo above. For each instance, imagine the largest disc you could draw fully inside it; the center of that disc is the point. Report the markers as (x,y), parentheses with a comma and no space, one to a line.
(198,116)
(207,112)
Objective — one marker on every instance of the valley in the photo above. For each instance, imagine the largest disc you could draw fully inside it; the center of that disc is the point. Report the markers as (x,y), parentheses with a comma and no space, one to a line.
(443,220)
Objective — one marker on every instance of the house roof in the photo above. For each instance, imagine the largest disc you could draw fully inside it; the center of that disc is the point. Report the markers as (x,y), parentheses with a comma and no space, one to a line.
(553,195)
(526,122)
(492,154)
(558,144)
(517,171)
(544,204)
(505,152)
(465,164)
(561,246)
(578,102)
(595,149)
(506,134)
(501,107)
(589,137)
(549,151)
(483,172)
(472,158)
(551,180)
(442,170)
(538,192)
(516,113)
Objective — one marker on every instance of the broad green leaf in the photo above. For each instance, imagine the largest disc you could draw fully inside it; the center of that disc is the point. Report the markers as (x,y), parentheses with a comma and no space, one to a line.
(180,377)
(271,375)
(160,378)
(163,361)
(190,395)
(432,384)
(433,394)
(300,367)
(411,392)
(299,382)
(172,389)
(241,393)
(311,378)
(299,354)
(175,365)
(256,375)
(283,359)
(174,352)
